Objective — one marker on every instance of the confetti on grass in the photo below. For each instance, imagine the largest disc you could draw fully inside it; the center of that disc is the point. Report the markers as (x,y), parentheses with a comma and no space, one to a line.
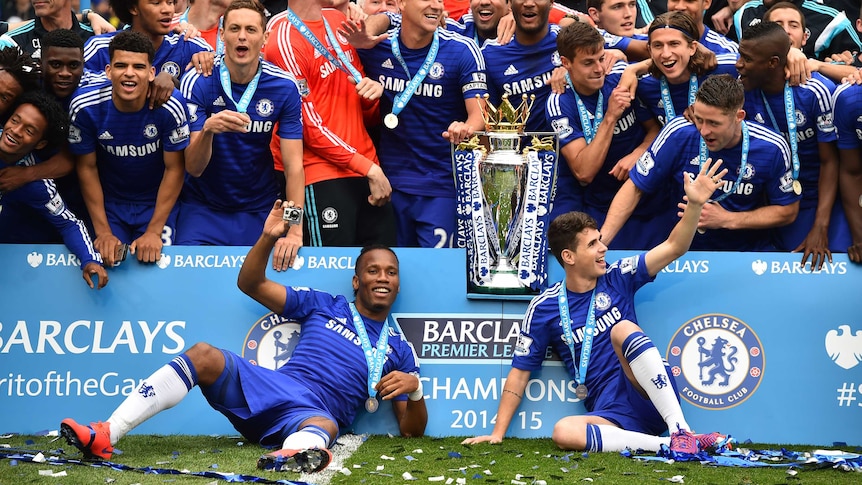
(29,457)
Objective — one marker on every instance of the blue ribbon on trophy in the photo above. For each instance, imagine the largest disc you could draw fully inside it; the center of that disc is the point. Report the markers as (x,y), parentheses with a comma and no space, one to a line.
(504,197)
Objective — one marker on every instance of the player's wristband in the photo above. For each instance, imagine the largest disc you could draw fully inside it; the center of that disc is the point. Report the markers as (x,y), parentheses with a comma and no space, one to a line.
(85,16)
(417,394)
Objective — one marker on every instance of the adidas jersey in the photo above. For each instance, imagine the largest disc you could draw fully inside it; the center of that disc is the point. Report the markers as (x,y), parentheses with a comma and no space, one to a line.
(620,42)
(813,103)
(129,147)
(466,25)
(649,88)
(43,197)
(614,302)
(172,56)
(718,43)
(27,36)
(565,119)
(329,358)
(830,30)
(240,175)
(88,78)
(518,70)
(847,109)
(767,179)
(336,143)
(415,157)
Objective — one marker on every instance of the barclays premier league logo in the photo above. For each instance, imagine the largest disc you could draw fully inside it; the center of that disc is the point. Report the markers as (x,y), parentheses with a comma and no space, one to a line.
(718,361)
(271,341)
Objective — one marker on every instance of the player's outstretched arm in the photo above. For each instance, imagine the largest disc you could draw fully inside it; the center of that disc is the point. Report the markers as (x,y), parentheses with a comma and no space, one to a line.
(697,192)
(252,278)
(412,415)
(510,399)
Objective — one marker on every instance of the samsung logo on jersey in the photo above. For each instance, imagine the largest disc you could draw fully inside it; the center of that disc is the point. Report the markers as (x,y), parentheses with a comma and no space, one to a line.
(260,127)
(92,336)
(527,85)
(397,85)
(624,123)
(744,188)
(603,324)
(133,150)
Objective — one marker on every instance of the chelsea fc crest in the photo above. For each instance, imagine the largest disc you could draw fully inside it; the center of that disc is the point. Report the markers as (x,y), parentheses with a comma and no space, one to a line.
(171,68)
(150,131)
(270,342)
(717,360)
(436,71)
(264,107)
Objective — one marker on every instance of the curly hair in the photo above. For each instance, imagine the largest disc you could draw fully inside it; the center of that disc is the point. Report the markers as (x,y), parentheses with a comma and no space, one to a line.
(21,66)
(57,127)
(131,41)
(62,38)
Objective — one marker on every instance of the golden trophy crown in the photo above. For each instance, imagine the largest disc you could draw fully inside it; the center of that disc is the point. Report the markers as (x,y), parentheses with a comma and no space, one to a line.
(506,117)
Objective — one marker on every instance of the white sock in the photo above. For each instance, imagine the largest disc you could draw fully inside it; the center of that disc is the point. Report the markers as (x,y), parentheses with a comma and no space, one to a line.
(650,372)
(162,390)
(308,437)
(604,437)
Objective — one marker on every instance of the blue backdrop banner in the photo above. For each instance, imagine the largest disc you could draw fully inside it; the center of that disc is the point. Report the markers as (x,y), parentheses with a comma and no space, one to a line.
(761,348)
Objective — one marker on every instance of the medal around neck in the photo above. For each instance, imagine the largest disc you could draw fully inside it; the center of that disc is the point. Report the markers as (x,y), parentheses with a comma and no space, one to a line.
(391,121)
(797,187)
(581,392)
(372,404)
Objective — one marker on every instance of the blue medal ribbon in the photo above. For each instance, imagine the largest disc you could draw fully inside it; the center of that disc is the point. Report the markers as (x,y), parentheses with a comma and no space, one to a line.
(341,62)
(402,98)
(790,116)
(589,127)
(251,87)
(374,356)
(667,101)
(743,163)
(589,332)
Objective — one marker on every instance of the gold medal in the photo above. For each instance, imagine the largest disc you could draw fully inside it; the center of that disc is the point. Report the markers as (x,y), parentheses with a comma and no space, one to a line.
(371,404)
(797,187)
(391,121)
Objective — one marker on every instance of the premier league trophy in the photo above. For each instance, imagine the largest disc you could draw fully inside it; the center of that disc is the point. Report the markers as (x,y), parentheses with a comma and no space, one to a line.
(504,196)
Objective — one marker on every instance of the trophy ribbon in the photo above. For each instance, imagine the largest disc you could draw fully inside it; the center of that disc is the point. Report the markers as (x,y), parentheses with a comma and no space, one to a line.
(530,230)
(482,264)
(546,197)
